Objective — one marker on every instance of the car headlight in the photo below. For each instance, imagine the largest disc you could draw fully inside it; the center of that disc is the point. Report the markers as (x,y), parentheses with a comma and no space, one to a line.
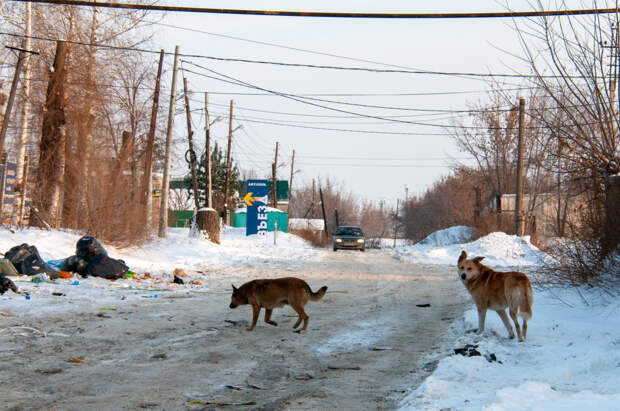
(360,240)
(338,240)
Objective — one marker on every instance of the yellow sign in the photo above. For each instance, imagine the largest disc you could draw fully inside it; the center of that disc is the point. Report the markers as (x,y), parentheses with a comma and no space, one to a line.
(249,200)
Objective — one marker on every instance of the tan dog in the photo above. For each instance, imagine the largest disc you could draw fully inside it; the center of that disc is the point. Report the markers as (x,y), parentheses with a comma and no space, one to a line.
(270,294)
(497,291)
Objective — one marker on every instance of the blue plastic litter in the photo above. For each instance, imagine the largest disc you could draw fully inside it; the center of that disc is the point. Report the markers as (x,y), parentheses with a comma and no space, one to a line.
(76,282)
(56,263)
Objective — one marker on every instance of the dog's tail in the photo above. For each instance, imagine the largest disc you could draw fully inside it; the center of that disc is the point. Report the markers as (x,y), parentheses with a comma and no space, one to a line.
(525,305)
(318,295)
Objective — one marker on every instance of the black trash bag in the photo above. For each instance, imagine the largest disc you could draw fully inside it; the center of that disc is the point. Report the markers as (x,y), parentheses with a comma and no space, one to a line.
(87,248)
(26,260)
(106,267)
(74,264)
(6,285)
(92,259)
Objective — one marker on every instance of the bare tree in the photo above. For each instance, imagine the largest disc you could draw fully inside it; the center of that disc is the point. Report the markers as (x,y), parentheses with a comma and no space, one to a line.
(575,62)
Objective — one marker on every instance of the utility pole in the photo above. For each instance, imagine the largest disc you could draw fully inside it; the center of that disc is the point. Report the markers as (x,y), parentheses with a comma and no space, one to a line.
(208,186)
(227,181)
(313,196)
(396,222)
(274,185)
(519,185)
(290,189)
(147,180)
(336,217)
(324,217)
(190,151)
(477,206)
(163,209)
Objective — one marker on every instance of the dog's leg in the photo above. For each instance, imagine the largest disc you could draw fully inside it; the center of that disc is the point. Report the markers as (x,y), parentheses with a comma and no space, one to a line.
(513,315)
(302,316)
(268,312)
(482,313)
(255,312)
(524,328)
(502,314)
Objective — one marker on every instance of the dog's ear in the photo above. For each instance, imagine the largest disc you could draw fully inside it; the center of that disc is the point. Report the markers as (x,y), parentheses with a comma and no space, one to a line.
(234,288)
(462,256)
(478,259)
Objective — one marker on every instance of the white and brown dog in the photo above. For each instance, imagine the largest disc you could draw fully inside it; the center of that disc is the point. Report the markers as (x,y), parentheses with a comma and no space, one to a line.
(497,291)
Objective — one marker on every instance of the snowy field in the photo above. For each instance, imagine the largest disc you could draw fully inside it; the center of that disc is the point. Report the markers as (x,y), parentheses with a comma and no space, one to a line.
(571,359)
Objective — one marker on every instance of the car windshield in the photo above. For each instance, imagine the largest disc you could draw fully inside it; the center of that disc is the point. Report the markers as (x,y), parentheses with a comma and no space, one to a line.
(349,231)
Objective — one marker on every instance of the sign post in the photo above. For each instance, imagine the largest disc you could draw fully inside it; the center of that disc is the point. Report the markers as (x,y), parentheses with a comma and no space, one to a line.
(256,204)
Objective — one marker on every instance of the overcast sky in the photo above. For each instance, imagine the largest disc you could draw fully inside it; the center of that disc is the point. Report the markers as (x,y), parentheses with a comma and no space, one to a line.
(380,156)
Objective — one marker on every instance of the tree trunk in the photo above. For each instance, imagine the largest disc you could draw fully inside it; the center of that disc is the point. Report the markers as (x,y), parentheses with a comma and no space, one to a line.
(51,148)
(208,222)
(23,137)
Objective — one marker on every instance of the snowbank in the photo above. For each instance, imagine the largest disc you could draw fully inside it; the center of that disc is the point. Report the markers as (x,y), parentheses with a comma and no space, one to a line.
(499,250)
(570,361)
(454,235)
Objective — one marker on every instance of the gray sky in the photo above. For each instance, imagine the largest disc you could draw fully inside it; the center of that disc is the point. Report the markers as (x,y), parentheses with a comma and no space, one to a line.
(374,165)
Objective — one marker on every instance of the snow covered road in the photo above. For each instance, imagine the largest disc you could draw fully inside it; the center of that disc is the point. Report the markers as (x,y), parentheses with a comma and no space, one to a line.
(366,345)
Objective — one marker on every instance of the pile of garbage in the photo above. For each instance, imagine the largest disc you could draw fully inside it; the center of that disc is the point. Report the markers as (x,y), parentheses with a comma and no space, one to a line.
(90,259)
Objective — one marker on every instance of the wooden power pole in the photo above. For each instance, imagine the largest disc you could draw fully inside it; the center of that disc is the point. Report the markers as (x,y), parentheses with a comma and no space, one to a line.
(274,182)
(163,209)
(147,181)
(519,183)
(227,180)
(190,151)
(208,186)
(324,216)
(290,190)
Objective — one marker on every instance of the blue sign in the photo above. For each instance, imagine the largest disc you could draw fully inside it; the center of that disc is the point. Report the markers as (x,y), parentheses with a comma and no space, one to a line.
(256,204)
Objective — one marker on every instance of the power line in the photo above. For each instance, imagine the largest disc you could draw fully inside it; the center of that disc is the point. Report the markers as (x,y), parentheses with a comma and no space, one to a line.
(303,100)
(508,14)
(386,158)
(375,165)
(305,65)
(429,111)
(361,123)
(273,123)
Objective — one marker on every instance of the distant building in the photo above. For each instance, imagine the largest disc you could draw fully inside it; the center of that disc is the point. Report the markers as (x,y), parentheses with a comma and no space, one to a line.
(543,217)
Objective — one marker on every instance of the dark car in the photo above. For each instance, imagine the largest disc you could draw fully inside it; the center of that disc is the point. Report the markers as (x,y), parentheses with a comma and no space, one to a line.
(349,238)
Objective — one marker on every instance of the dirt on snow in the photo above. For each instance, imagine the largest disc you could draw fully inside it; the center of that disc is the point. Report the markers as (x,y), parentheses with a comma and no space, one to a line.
(367,344)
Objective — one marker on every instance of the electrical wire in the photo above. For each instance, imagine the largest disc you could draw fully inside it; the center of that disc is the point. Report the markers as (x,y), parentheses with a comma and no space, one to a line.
(306,65)
(272,13)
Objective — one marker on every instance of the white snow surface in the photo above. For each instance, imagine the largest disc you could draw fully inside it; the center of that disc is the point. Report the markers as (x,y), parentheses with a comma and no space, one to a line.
(570,361)
(176,250)
(453,235)
(499,250)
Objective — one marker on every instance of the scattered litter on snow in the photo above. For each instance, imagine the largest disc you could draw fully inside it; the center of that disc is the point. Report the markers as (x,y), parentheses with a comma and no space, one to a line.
(571,359)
